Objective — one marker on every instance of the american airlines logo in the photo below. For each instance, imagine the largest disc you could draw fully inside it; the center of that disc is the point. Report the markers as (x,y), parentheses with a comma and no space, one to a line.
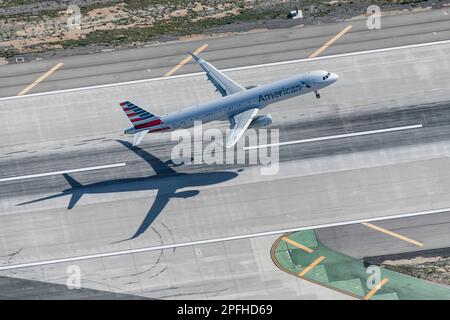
(280,93)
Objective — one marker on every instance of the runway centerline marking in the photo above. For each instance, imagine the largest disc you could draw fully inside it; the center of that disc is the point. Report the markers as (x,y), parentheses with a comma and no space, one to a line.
(298,245)
(393,234)
(331,41)
(53,173)
(311,266)
(40,79)
(185,60)
(338,136)
(216,240)
(375,289)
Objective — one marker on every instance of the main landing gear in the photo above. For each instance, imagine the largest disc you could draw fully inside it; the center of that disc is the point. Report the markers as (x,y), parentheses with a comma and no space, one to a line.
(317,94)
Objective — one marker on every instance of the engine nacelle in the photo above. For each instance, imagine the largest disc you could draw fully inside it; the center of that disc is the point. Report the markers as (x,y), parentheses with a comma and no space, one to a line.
(261,121)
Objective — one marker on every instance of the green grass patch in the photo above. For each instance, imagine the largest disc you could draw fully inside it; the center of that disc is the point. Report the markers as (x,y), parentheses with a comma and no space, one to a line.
(141,4)
(14,3)
(7,53)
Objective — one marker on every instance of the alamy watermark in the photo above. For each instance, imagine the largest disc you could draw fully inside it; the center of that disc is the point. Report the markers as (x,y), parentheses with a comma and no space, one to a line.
(374,278)
(74,277)
(374,19)
(74,20)
(201,146)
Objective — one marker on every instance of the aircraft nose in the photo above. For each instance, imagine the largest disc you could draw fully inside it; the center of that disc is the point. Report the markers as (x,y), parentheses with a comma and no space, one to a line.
(333,77)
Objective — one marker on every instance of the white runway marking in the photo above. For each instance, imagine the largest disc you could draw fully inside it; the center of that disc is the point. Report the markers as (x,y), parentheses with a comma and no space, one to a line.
(338,136)
(215,240)
(231,69)
(115,165)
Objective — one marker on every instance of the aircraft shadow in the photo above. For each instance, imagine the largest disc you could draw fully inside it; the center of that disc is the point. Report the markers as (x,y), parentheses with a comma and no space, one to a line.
(167,182)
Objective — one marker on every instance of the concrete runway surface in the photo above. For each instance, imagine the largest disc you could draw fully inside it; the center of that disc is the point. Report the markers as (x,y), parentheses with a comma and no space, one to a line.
(244,49)
(376,175)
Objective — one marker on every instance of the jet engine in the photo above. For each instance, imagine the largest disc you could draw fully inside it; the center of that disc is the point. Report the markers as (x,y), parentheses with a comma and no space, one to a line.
(261,121)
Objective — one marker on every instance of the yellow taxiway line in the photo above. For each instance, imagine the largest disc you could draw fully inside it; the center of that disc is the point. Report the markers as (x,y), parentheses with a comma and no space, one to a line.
(311,266)
(375,289)
(40,79)
(393,234)
(298,245)
(331,41)
(185,60)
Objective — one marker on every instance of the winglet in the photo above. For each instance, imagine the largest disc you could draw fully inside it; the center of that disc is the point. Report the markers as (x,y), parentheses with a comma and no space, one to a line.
(196,57)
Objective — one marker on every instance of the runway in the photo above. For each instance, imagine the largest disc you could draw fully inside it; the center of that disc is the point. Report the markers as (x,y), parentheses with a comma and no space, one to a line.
(360,242)
(356,177)
(244,49)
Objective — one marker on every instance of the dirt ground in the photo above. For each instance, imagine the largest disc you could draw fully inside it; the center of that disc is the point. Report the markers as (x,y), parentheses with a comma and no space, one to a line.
(31,27)
(435,269)
(432,265)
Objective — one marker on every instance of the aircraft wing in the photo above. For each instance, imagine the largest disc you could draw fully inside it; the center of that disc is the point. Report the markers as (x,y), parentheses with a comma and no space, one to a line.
(240,123)
(157,165)
(222,82)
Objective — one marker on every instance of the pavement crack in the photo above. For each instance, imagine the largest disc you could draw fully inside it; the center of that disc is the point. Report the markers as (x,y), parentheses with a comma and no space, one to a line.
(170,232)
(11,255)
(154,265)
(154,276)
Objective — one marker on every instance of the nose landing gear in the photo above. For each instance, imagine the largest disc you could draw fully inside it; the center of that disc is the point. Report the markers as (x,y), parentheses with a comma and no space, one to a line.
(317,94)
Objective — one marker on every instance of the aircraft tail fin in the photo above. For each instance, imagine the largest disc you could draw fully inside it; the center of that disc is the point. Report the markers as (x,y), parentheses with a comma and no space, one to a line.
(140,118)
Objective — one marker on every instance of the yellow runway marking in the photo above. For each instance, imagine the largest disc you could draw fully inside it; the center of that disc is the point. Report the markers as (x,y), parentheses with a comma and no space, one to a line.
(331,41)
(185,60)
(375,289)
(298,245)
(393,234)
(311,266)
(40,79)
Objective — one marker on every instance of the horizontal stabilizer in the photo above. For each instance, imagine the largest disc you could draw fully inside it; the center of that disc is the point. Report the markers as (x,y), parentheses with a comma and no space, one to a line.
(138,137)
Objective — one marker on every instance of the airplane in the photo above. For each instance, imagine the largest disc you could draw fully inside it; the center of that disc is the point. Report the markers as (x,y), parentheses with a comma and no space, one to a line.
(238,104)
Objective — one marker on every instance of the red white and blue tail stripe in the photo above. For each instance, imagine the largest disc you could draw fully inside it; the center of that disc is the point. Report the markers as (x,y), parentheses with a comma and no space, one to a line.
(143,122)
(140,118)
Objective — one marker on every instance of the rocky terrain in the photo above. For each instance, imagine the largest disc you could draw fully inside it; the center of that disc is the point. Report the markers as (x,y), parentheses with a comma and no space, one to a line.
(436,269)
(432,265)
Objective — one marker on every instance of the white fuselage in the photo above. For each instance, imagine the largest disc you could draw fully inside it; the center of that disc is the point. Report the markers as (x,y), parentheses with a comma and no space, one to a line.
(257,97)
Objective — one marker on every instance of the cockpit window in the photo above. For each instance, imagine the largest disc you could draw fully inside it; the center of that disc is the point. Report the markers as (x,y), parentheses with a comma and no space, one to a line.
(326,77)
